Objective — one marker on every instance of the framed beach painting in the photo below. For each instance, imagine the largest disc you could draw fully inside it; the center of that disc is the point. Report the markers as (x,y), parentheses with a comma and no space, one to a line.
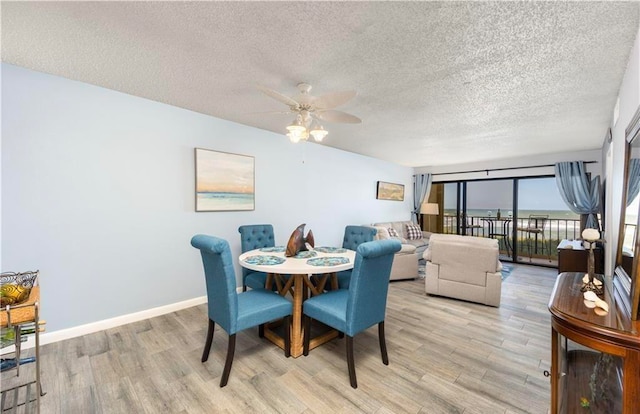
(390,191)
(224,181)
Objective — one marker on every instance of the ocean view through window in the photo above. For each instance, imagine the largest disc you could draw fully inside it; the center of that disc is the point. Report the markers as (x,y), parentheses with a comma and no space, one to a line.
(502,209)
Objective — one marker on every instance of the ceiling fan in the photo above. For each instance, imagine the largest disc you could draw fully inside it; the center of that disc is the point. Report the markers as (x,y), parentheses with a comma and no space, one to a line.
(311,110)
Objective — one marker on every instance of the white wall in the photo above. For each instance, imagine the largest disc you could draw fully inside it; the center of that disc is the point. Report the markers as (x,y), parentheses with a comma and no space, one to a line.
(628,101)
(98,193)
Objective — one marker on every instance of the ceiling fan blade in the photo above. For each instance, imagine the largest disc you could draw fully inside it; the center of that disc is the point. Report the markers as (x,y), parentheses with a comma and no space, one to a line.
(272,113)
(278,96)
(334,99)
(332,115)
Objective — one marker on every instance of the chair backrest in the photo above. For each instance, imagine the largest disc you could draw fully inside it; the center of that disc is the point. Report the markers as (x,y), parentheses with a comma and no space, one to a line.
(369,284)
(470,222)
(537,221)
(356,235)
(255,236)
(463,258)
(221,281)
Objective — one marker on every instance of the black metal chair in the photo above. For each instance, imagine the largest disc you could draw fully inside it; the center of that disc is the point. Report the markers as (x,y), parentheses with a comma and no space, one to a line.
(535,227)
(471,226)
(498,229)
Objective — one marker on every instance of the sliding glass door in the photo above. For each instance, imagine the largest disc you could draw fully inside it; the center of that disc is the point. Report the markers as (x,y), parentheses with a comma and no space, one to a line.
(527,216)
(543,220)
(489,208)
(451,222)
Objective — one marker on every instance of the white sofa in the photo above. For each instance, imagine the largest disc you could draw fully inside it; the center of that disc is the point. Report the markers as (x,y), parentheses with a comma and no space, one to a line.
(405,262)
(401,228)
(464,267)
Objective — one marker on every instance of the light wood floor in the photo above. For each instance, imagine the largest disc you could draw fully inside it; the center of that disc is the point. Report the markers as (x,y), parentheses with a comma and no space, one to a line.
(446,356)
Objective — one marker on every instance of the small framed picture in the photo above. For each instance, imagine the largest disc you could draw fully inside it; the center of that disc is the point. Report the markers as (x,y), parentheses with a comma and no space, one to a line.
(224,181)
(390,191)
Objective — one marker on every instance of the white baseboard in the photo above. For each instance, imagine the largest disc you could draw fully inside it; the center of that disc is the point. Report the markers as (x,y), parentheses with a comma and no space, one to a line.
(61,335)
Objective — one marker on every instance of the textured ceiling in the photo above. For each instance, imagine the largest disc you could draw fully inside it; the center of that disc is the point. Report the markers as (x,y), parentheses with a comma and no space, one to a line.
(438,82)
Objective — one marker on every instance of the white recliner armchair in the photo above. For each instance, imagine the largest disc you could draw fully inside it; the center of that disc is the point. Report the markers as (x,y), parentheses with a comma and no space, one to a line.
(464,267)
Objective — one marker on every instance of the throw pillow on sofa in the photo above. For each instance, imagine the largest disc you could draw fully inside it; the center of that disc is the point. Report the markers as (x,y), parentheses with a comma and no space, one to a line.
(392,232)
(414,232)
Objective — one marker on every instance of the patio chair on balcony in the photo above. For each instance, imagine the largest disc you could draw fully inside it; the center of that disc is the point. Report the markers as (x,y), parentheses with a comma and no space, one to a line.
(470,225)
(534,229)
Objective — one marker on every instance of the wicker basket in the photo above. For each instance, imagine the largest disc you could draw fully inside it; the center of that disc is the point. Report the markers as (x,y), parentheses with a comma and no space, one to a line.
(24,311)
(26,279)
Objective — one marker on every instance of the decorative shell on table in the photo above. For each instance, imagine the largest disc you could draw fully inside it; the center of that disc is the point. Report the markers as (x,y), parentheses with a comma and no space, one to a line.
(592,301)
(596,281)
(591,235)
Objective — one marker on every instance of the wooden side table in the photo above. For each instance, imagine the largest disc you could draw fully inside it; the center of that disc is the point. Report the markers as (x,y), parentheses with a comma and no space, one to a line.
(575,259)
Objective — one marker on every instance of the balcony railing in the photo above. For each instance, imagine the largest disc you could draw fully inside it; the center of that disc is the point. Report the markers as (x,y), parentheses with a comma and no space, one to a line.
(554,231)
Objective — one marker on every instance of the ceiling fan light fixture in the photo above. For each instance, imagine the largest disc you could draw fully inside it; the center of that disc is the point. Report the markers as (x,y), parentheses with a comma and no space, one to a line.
(296,127)
(318,133)
(299,132)
(295,138)
(310,110)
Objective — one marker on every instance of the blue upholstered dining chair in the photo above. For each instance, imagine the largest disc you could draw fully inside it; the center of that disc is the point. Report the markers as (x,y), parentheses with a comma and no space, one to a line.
(362,305)
(353,237)
(255,236)
(234,311)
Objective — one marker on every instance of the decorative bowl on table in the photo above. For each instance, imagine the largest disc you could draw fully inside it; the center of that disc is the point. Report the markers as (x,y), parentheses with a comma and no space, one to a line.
(15,287)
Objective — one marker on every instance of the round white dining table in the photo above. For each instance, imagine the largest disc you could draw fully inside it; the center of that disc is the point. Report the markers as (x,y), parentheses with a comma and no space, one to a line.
(272,261)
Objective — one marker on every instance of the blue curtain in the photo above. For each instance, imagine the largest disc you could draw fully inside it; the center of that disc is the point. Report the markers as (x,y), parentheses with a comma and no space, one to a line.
(581,195)
(421,188)
(633,185)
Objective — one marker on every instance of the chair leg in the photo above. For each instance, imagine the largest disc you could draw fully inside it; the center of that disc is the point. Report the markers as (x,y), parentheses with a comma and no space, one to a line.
(261,330)
(207,345)
(231,349)
(383,343)
(548,247)
(350,362)
(307,335)
(287,336)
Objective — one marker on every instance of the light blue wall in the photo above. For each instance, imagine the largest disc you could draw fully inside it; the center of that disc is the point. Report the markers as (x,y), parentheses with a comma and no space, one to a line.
(98,193)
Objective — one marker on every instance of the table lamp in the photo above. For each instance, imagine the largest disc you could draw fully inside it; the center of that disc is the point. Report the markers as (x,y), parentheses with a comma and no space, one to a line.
(429,209)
